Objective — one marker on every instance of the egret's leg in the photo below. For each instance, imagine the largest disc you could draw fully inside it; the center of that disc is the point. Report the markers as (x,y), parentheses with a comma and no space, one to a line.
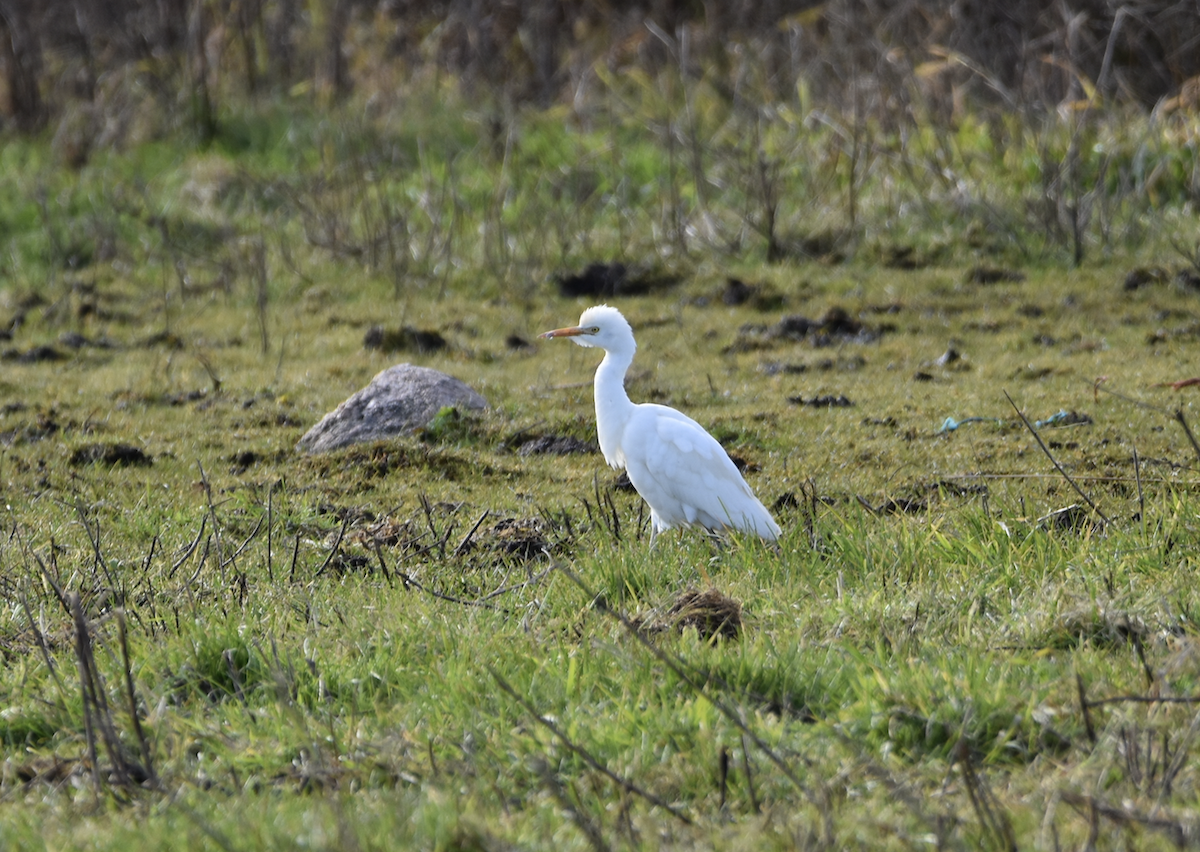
(653,535)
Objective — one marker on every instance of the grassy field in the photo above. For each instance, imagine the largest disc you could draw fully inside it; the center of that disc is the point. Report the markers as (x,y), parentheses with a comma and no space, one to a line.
(212,640)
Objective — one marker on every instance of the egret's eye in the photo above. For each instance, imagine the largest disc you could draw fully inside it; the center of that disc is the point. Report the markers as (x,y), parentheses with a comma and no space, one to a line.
(594,329)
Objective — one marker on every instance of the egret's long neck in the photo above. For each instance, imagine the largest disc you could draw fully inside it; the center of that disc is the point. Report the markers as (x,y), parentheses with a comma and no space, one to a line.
(613,408)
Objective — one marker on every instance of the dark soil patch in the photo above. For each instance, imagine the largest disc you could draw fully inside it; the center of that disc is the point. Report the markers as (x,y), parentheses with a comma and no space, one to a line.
(606,280)
(1189,278)
(710,612)
(1143,276)
(34,355)
(850,364)
(43,427)
(827,246)
(836,326)
(405,339)
(521,537)
(827,401)
(992,275)
(243,461)
(902,257)
(621,482)
(114,454)
(556,445)
(895,506)
(517,343)
(762,297)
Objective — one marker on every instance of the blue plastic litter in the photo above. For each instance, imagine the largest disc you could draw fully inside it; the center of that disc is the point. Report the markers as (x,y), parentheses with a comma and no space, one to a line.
(1053,418)
(950,424)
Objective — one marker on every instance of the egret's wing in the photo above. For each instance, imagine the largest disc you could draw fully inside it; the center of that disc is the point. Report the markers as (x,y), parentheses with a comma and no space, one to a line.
(686,476)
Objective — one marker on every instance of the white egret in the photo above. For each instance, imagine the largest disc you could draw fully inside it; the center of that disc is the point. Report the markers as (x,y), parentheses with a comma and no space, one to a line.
(679,469)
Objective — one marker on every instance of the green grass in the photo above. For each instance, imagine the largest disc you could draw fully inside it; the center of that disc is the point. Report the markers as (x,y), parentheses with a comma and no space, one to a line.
(913,653)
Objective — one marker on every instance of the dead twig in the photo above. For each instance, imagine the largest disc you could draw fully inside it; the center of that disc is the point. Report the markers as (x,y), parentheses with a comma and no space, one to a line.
(1187,431)
(1054,461)
(584,754)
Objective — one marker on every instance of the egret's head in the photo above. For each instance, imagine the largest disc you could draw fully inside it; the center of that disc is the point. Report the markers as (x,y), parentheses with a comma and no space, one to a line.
(600,326)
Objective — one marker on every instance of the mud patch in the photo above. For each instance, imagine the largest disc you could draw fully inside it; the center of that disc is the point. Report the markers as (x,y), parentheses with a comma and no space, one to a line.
(762,297)
(404,339)
(835,327)
(993,275)
(33,355)
(826,401)
(606,280)
(113,454)
(710,613)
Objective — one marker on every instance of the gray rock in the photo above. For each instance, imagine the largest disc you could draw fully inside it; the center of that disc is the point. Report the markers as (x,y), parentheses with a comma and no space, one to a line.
(397,401)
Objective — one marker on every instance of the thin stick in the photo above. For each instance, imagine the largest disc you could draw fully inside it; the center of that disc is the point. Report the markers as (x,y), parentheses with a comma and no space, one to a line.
(749,776)
(270,524)
(336,546)
(132,696)
(586,756)
(1084,706)
(1187,430)
(467,538)
(1137,473)
(191,548)
(1054,461)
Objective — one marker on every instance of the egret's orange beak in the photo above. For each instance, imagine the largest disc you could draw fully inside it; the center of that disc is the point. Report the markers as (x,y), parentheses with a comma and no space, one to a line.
(573,331)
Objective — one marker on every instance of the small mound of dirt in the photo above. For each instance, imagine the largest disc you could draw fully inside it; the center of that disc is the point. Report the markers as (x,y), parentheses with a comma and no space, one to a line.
(110,454)
(520,537)
(406,339)
(902,257)
(710,612)
(1073,518)
(34,355)
(556,445)
(1143,276)
(827,401)
(763,297)
(991,275)
(1189,278)
(605,280)
(836,326)
(621,482)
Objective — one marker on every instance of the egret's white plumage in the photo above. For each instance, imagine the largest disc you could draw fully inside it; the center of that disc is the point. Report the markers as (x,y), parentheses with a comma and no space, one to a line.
(679,469)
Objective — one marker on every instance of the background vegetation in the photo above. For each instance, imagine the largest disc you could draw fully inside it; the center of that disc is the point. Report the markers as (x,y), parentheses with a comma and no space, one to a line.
(843,233)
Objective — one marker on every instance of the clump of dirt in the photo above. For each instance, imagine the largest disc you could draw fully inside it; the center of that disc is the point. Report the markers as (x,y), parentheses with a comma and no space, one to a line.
(842,364)
(33,355)
(45,425)
(992,275)
(388,532)
(826,401)
(835,327)
(521,537)
(606,280)
(1073,518)
(556,445)
(404,339)
(902,257)
(710,612)
(1143,276)
(517,343)
(825,246)
(114,454)
(763,297)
